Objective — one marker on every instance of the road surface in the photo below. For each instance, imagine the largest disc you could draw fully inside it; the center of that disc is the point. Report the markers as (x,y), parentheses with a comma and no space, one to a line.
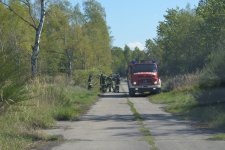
(111,125)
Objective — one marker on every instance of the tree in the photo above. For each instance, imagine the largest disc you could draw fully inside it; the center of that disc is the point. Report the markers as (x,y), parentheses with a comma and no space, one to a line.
(36,25)
(153,51)
(56,41)
(127,54)
(118,64)
(179,38)
(97,31)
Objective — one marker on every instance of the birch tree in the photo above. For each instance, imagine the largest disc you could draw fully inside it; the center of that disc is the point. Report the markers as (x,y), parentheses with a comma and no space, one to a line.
(35,21)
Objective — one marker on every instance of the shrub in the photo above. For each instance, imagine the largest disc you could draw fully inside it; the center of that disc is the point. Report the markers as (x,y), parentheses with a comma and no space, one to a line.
(214,73)
(80,77)
(181,82)
(12,81)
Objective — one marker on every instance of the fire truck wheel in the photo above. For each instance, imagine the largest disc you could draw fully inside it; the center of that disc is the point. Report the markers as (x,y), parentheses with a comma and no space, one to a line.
(131,92)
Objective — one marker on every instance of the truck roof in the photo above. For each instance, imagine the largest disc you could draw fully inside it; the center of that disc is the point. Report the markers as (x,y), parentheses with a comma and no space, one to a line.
(142,62)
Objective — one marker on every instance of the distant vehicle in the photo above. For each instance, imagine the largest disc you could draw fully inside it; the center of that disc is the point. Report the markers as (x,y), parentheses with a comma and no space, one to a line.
(143,77)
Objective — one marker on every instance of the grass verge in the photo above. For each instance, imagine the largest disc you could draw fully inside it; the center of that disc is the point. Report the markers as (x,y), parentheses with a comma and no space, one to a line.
(144,130)
(21,122)
(217,137)
(206,107)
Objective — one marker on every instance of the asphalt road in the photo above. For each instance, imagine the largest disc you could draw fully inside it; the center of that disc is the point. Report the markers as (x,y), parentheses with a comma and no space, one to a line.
(110,125)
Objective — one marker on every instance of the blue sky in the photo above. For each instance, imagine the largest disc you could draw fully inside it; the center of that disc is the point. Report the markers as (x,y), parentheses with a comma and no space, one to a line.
(134,21)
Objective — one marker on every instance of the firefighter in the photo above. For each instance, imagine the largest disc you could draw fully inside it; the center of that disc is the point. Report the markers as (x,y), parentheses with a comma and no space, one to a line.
(90,82)
(117,83)
(109,82)
(103,86)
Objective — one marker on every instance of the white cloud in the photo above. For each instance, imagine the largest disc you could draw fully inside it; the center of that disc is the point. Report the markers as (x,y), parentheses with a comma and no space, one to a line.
(132,45)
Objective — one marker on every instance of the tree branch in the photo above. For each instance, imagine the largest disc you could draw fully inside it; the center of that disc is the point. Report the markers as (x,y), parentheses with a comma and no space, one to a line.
(27,3)
(12,10)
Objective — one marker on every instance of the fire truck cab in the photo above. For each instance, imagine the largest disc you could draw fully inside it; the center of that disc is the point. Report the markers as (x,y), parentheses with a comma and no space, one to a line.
(143,77)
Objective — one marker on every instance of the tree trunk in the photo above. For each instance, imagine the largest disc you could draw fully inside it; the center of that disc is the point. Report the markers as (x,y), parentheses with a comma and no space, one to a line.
(69,65)
(35,49)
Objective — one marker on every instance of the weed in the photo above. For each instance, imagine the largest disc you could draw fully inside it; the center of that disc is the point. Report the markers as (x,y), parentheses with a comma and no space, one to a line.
(144,130)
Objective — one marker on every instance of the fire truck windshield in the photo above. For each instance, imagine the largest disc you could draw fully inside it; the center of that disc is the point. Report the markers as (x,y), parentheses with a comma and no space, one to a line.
(144,68)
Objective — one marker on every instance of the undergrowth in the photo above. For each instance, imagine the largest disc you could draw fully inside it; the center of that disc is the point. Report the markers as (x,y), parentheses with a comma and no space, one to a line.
(190,101)
(21,122)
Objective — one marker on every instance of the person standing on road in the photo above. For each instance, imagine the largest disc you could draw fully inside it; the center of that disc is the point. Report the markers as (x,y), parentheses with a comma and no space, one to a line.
(109,82)
(117,83)
(103,86)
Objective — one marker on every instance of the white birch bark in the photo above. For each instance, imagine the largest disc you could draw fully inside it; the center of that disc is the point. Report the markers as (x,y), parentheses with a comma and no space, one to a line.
(35,49)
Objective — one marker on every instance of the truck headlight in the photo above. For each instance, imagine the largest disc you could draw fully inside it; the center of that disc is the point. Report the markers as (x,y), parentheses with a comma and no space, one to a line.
(155,82)
(134,83)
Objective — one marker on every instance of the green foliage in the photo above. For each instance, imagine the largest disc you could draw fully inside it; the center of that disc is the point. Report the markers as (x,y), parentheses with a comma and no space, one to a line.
(179,42)
(122,57)
(119,63)
(214,73)
(73,101)
(181,82)
(189,40)
(204,106)
(72,42)
(80,77)
(177,101)
(217,137)
(57,100)
(13,67)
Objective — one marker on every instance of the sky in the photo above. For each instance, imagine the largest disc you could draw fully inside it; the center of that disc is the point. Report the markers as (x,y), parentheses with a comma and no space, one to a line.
(132,22)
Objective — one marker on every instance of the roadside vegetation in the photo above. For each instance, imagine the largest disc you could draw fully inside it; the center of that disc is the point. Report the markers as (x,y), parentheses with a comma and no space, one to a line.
(73,43)
(190,46)
(76,42)
(47,103)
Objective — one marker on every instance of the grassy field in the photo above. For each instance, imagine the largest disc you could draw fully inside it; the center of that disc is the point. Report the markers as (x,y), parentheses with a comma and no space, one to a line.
(20,123)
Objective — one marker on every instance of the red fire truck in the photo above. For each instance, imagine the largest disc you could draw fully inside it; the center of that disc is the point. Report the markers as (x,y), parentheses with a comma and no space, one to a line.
(143,77)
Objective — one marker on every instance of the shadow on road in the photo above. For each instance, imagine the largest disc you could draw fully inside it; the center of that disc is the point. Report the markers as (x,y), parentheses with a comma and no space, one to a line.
(180,128)
(122,95)
(114,95)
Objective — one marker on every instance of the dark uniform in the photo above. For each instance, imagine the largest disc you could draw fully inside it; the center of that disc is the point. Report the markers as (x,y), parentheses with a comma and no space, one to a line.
(103,85)
(117,83)
(109,83)
(90,82)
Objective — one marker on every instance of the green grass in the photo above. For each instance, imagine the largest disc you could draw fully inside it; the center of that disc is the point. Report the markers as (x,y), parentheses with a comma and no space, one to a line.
(19,127)
(200,106)
(177,101)
(217,137)
(74,101)
(21,122)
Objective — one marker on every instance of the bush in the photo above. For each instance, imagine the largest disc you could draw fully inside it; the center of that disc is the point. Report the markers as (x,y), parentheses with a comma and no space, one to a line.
(181,82)
(214,73)
(80,77)
(12,81)
(48,102)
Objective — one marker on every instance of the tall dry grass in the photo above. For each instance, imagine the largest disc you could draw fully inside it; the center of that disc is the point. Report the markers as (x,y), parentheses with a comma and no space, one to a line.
(181,82)
(48,101)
